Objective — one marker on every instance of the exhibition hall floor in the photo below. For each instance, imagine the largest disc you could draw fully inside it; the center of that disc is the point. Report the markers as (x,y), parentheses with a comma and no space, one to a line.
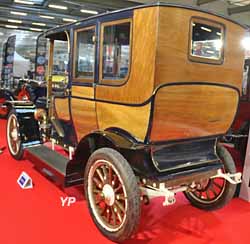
(36,216)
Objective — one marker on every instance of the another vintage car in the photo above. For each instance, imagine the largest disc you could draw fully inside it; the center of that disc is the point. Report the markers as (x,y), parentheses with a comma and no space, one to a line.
(150,90)
(25,90)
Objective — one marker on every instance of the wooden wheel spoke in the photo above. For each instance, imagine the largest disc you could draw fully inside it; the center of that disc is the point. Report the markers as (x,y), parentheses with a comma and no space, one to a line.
(103,210)
(108,214)
(113,215)
(110,175)
(97,182)
(120,206)
(98,171)
(118,212)
(95,190)
(118,188)
(98,198)
(121,197)
(207,194)
(217,185)
(213,190)
(105,174)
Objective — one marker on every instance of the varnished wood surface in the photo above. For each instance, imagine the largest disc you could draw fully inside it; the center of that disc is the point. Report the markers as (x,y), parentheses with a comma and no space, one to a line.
(160,48)
(83,111)
(62,108)
(172,63)
(131,119)
(139,86)
(184,111)
(83,91)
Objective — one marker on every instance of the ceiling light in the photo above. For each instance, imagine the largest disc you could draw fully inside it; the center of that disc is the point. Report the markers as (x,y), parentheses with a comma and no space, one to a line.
(47,17)
(89,11)
(69,20)
(206,29)
(58,6)
(38,24)
(218,33)
(218,44)
(246,43)
(18,13)
(15,21)
(11,26)
(36,29)
(24,2)
(1,34)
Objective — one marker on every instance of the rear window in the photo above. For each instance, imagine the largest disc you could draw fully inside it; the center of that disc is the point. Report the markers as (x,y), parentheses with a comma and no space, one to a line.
(207,41)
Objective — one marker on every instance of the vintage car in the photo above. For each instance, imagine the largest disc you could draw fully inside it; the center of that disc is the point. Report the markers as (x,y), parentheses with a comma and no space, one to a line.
(150,91)
(25,90)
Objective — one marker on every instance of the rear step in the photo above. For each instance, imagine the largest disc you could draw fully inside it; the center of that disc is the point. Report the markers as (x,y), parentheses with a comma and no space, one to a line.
(53,164)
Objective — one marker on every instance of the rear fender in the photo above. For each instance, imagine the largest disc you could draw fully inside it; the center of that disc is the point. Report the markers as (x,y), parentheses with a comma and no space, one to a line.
(124,143)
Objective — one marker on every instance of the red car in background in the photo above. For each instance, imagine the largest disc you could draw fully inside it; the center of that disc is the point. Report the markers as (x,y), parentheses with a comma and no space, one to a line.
(27,90)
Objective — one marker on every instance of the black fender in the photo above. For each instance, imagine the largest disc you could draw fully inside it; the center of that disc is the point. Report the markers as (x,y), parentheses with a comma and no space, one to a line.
(136,153)
(28,126)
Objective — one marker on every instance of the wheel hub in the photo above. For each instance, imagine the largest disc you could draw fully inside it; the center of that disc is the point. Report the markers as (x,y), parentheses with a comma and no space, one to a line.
(14,134)
(109,194)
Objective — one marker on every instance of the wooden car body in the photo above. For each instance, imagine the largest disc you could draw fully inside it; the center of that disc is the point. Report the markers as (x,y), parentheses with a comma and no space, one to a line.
(148,92)
(169,98)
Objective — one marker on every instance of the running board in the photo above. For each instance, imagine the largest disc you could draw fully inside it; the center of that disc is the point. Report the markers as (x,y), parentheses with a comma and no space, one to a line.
(53,165)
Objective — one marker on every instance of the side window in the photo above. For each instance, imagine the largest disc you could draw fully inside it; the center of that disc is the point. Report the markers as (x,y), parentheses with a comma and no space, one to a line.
(84,54)
(115,52)
(61,58)
(207,41)
(245,79)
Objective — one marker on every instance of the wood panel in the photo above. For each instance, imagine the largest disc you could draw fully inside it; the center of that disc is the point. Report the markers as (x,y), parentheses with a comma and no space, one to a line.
(139,86)
(172,63)
(83,111)
(83,91)
(189,111)
(131,119)
(62,108)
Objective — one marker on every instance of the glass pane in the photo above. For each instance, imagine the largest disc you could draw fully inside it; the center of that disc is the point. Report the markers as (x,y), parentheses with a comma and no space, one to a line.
(116,51)
(245,79)
(61,58)
(206,41)
(85,53)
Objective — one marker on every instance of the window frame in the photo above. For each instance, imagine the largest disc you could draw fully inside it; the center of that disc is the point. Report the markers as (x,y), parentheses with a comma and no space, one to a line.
(81,79)
(211,23)
(115,82)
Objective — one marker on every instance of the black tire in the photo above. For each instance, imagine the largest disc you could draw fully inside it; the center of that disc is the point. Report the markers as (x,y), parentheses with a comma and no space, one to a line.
(13,136)
(225,194)
(109,162)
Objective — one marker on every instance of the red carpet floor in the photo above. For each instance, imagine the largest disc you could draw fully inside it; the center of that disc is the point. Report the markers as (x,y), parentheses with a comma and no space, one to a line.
(36,216)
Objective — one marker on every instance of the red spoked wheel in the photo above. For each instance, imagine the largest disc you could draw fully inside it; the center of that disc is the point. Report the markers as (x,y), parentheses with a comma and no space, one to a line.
(214,193)
(113,194)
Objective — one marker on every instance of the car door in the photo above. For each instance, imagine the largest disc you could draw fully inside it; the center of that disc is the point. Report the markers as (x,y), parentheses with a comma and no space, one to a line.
(82,102)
